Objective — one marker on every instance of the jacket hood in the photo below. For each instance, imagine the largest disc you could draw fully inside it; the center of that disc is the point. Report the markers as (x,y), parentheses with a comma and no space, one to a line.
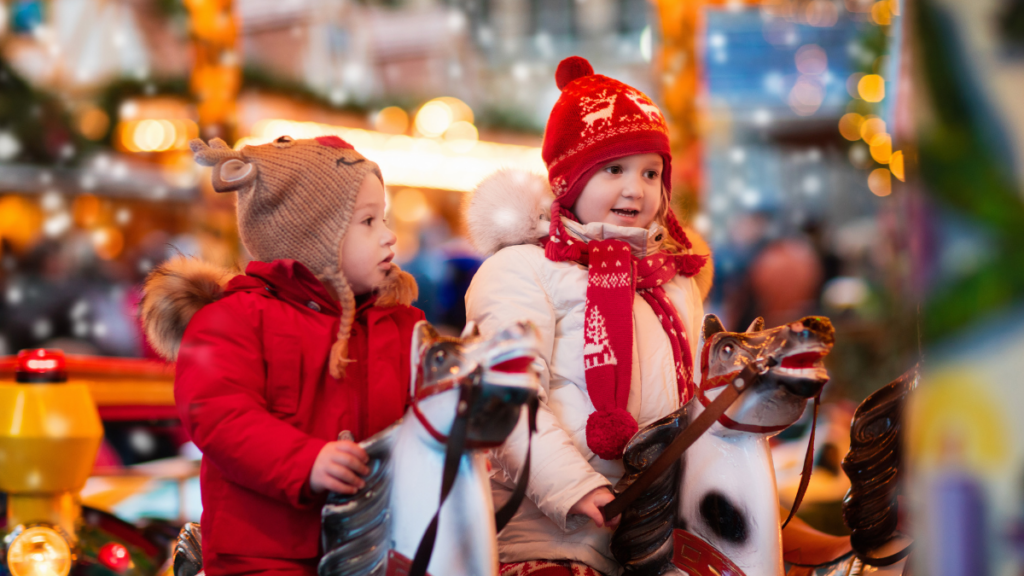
(513,207)
(179,287)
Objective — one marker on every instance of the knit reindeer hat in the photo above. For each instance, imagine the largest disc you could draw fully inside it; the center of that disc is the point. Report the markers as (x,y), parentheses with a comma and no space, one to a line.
(597,119)
(295,200)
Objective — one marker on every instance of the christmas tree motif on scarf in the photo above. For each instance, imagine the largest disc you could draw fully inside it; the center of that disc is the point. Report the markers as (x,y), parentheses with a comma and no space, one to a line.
(597,351)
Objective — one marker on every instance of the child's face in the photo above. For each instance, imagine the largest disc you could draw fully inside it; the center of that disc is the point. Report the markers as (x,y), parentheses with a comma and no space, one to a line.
(366,249)
(624,192)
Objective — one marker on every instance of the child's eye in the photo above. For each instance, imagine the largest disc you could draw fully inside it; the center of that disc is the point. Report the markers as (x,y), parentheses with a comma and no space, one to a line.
(652,174)
(368,221)
(614,169)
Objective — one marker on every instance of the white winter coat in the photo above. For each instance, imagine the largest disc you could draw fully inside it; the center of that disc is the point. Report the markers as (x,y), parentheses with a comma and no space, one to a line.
(519,282)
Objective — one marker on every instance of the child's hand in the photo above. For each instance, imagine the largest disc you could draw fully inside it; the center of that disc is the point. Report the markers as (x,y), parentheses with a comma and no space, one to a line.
(590,506)
(339,467)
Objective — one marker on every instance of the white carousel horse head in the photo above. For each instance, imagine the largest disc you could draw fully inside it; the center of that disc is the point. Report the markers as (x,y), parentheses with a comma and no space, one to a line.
(779,397)
(387,519)
(722,490)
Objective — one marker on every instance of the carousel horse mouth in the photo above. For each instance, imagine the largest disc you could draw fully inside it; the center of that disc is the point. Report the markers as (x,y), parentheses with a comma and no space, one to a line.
(495,412)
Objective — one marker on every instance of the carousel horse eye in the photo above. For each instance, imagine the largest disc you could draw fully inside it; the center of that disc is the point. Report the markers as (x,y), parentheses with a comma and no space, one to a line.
(439,357)
(727,349)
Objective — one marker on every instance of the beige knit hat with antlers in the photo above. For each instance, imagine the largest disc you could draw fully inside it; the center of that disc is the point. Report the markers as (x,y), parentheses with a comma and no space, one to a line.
(295,200)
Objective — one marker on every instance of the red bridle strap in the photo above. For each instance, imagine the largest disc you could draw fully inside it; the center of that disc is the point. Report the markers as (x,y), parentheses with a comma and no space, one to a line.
(441,438)
(724,420)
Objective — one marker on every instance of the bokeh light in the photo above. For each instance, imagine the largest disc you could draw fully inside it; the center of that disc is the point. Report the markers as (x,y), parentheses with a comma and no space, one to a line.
(870,128)
(849,126)
(806,96)
(871,88)
(410,205)
(811,59)
(19,221)
(881,148)
(880,182)
(896,165)
(434,118)
(391,120)
(821,13)
(93,123)
(851,84)
(85,211)
(108,242)
(881,14)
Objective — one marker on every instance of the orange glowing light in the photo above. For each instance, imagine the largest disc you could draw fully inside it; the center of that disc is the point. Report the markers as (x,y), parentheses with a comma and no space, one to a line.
(86,210)
(391,120)
(881,13)
(108,242)
(881,148)
(896,165)
(894,5)
(20,221)
(871,88)
(880,182)
(872,127)
(851,84)
(93,123)
(849,126)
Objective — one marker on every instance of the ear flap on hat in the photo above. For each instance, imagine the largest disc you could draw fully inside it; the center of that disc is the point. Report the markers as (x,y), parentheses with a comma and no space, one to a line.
(233,174)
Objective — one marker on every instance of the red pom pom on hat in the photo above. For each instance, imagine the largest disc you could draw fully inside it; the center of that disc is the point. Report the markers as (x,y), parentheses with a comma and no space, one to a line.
(608,432)
(570,69)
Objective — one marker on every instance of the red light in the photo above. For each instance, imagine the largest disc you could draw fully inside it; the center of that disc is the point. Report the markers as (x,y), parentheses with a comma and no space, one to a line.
(115,556)
(41,366)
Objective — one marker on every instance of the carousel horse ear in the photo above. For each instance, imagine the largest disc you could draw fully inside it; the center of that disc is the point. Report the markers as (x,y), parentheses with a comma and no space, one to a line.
(757,325)
(470,331)
(712,326)
(423,335)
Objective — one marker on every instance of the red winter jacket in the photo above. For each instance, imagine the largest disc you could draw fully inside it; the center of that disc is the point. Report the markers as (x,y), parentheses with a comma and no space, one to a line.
(254,392)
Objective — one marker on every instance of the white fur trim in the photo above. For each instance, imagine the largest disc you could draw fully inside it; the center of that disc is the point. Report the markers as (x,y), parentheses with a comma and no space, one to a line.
(506,209)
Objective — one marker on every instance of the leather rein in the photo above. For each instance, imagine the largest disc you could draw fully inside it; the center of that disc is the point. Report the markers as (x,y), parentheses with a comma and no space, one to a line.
(456,443)
(714,410)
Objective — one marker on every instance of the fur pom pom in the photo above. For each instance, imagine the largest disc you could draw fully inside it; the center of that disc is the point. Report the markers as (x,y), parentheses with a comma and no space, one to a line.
(608,432)
(172,294)
(399,288)
(508,208)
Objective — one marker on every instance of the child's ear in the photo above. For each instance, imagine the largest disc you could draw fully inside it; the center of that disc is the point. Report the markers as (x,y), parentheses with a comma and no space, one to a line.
(232,174)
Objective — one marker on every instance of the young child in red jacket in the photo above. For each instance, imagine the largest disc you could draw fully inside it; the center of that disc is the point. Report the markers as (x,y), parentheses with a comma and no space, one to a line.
(273,364)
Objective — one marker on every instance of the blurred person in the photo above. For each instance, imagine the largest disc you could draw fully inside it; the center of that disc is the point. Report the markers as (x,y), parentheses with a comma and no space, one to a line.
(615,292)
(273,364)
(785,281)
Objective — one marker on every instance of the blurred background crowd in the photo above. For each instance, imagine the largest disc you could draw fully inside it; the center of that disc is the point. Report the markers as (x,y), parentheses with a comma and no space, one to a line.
(861,159)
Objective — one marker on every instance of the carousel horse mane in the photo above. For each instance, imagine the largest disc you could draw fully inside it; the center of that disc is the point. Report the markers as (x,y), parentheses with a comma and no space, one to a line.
(356,527)
(643,538)
(871,507)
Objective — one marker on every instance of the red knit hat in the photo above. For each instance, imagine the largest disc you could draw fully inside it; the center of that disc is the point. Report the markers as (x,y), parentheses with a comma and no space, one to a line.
(597,119)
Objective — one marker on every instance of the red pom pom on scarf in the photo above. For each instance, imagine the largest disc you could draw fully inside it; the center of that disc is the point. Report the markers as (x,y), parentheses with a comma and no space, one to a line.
(608,432)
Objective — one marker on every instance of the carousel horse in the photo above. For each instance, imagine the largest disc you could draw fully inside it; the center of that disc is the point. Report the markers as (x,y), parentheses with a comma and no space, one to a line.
(470,383)
(715,510)
(466,393)
(871,509)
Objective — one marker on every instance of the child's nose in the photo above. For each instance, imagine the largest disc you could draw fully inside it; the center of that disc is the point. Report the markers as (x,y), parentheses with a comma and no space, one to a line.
(389,238)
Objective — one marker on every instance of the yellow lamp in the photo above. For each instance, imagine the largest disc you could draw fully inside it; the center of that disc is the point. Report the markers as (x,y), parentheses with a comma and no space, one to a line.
(50,432)
(39,551)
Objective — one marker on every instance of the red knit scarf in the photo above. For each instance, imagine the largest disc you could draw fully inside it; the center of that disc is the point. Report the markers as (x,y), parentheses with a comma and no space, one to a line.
(615,276)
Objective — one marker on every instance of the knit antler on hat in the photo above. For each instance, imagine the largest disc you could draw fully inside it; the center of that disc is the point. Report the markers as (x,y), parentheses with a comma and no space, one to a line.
(210,155)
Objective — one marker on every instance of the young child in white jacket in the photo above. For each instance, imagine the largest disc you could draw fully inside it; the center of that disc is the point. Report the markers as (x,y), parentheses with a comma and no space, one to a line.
(615,287)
